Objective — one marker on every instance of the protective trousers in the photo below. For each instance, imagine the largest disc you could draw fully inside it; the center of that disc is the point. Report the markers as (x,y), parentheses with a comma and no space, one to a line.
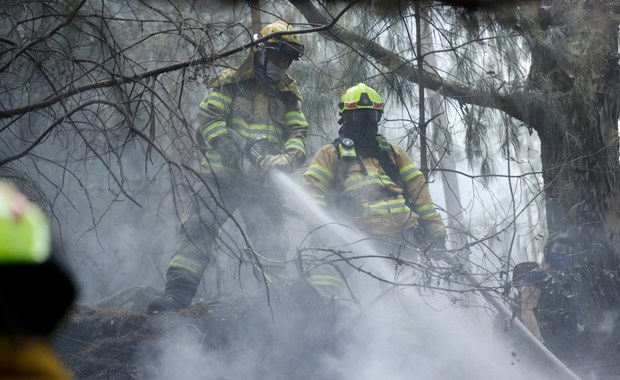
(336,265)
(212,206)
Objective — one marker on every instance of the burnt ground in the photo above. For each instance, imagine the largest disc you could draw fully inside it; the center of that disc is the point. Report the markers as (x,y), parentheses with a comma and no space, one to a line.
(99,343)
(108,341)
(117,339)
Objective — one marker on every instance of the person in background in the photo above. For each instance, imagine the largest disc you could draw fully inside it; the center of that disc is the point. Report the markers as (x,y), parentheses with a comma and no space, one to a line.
(256,101)
(547,302)
(36,292)
(371,184)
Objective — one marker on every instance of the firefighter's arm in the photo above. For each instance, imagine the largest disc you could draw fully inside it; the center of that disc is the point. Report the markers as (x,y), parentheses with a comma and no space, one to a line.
(430,220)
(213,112)
(296,130)
(528,303)
(318,178)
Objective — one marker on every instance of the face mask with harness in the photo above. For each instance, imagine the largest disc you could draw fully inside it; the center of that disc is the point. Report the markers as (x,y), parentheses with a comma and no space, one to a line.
(360,110)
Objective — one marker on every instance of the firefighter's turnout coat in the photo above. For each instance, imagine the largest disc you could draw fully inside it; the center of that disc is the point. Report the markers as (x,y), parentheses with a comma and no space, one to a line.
(384,210)
(241,102)
(29,359)
(379,207)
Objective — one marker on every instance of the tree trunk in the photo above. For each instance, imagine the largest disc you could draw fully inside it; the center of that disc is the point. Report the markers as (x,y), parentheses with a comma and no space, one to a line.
(580,149)
(443,159)
(255,13)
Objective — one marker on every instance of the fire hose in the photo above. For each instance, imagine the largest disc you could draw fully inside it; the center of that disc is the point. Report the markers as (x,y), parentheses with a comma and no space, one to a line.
(530,340)
(254,150)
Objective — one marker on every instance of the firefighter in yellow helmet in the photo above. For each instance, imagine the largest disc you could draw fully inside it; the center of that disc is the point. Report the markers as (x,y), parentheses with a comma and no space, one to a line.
(250,122)
(35,291)
(370,182)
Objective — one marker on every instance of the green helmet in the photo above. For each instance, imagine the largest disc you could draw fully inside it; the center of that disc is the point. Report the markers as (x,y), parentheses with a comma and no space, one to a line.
(25,236)
(359,97)
(36,291)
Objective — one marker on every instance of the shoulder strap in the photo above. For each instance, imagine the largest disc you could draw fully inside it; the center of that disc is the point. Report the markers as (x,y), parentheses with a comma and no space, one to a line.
(388,164)
(341,167)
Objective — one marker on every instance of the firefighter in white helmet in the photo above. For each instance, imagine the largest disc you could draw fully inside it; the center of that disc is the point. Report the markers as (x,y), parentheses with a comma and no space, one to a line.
(257,100)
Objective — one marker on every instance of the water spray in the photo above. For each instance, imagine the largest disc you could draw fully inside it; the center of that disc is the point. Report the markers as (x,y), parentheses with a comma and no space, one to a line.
(381,266)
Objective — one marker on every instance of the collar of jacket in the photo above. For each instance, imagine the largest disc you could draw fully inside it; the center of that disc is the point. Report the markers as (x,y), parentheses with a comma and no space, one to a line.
(246,71)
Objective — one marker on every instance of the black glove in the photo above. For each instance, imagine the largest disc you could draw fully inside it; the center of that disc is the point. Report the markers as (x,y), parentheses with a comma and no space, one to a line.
(438,244)
(225,146)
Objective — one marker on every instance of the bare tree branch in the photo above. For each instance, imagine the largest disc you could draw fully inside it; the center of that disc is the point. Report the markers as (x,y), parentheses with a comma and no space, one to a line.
(509,103)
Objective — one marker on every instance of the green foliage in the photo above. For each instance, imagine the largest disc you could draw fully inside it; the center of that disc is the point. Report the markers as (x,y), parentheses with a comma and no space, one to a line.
(476,138)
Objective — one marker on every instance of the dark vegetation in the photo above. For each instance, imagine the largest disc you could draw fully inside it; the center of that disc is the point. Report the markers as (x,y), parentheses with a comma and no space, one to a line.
(98,342)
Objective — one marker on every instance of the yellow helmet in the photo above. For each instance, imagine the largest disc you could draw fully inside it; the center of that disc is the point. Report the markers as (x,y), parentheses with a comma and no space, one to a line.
(360,105)
(359,97)
(288,44)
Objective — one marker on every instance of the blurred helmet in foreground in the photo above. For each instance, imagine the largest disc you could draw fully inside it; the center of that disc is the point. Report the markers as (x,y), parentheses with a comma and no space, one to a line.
(35,290)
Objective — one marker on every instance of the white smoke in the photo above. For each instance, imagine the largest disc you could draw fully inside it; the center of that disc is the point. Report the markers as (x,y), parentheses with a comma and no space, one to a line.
(394,333)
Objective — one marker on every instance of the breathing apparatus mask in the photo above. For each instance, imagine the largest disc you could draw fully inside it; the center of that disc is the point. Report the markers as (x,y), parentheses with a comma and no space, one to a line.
(361,126)
(276,54)
(272,65)
(360,109)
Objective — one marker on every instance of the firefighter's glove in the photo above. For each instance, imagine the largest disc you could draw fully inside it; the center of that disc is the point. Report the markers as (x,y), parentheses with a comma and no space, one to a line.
(438,244)
(224,145)
(436,250)
(283,162)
